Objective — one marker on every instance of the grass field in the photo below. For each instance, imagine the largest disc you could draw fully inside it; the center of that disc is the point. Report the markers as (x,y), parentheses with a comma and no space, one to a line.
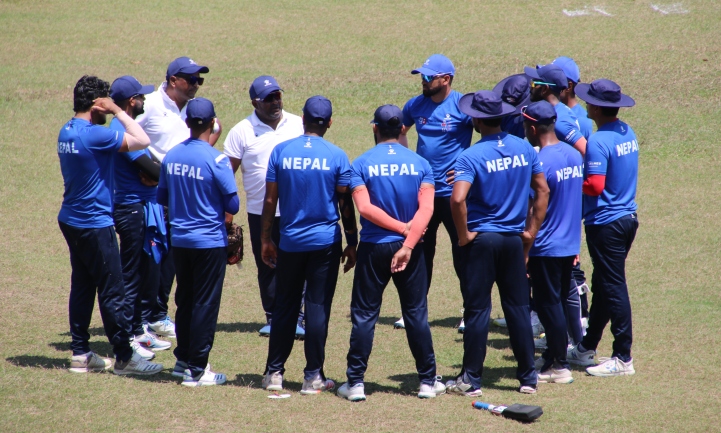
(359,55)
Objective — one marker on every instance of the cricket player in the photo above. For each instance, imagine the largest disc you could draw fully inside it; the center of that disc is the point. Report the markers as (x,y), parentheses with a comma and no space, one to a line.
(87,152)
(139,222)
(568,96)
(248,146)
(308,176)
(558,242)
(393,189)
(547,83)
(514,90)
(198,187)
(609,214)
(489,205)
(443,133)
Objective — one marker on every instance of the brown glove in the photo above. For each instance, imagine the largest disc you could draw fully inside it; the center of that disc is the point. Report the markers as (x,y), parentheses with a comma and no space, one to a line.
(235,244)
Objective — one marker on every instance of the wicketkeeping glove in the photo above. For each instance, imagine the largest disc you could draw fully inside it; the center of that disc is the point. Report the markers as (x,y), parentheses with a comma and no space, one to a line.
(235,244)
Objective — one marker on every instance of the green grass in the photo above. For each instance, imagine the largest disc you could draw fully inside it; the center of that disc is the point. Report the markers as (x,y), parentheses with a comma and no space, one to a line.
(359,54)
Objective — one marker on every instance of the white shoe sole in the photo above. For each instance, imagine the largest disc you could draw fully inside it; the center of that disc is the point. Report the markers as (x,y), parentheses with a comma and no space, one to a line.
(620,373)
(89,370)
(201,383)
(274,388)
(355,398)
(556,380)
(430,394)
(138,373)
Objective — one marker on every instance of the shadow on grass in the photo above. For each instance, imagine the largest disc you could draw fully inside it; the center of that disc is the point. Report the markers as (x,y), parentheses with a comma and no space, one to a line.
(94,332)
(252,380)
(102,348)
(387,320)
(244,327)
(448,322)
(38,361)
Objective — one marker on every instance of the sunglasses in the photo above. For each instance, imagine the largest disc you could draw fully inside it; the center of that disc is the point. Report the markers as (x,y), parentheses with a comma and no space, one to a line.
(429,78)
(535,84)
(275,96)
(191,79)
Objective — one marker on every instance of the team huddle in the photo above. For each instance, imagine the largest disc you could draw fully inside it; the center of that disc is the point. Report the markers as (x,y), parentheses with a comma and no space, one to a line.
(513,205)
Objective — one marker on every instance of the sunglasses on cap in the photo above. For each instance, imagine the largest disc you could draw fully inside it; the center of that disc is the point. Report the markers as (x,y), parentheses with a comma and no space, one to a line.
(275,96)
(429,78)
(191,79)
(535,84)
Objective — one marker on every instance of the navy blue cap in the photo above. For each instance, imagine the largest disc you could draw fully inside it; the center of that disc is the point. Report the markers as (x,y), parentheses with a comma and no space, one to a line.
(570,68)
(515,90)
(604,93)
(126,87)
(263,86)
(485,104)
(437,64)
(184,65)
(317,109)
(200,111)
(388,116)
(539,112)
(550,73)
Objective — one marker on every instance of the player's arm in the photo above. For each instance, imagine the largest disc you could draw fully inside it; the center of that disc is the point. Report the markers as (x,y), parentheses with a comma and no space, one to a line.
(375,214)
(538,212)
(580,145)
(134,138)
(350,227)
(149,170)
(403,138)
(268,253)
(422,217)
(460,212)
(594,185)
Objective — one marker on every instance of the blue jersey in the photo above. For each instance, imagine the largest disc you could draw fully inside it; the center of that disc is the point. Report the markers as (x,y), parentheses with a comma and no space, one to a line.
(128,187)
(499,168)
(87,153)
(584,122)
(513,125)
(560,233)
(197,178)
(443,133)
(307,170)
(393,176)
(612,152)
(567,127)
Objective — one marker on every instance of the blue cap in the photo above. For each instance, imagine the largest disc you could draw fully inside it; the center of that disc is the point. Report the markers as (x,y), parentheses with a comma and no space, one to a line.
(515,90)
(484,104)
(184,65)
(317,109)
(263,86)
(388,116)
(569,67)
(604,93)
(437,64)
(126,87)
(548,74)
(200,111)
(539,112)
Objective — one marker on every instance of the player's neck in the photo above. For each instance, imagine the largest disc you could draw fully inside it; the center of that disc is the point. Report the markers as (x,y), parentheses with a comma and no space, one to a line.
(552,99)
(488,130)
(85,115)
(601,121)
(571,101)
(389,141)
(546,140)
(441,96)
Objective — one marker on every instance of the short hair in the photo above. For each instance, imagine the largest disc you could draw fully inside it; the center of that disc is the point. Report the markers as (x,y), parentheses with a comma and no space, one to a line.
(392,130)
(492,123)
(609,111)
(88,89)
(545,128)
(315,127)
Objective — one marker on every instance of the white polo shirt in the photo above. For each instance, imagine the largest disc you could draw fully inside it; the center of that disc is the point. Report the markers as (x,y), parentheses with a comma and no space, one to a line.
(163,122)
(251,141)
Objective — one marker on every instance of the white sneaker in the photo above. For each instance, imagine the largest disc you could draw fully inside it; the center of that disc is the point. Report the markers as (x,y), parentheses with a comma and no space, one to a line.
(137,365)
(555,375)
(89,362)
(352,393)
(536,325)
(143,352)
(528,389)
(316,385)
(150,341)
(500,322)
(462,327)
(577,357)
(400,324)
(611,367)
(458,386)
(431,391)
(540,343)
(165,327)
(207,378)
(273,381)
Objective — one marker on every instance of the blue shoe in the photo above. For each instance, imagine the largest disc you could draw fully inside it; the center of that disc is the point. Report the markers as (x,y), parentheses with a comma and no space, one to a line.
(299,332)
(265,331)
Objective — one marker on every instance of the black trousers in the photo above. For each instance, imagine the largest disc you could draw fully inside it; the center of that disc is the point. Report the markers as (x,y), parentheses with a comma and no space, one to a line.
(200,274)
(608,246)
(319,268)
(441,214)
(141,273)
(372,274)
(95,263)
(496,257)
(550,276)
